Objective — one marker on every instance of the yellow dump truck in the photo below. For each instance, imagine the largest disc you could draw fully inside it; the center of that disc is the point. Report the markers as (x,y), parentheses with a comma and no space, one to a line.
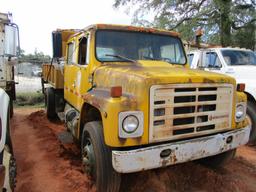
(128,95)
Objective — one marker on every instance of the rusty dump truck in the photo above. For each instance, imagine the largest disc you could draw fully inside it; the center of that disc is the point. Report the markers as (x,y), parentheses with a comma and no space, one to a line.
(128,96)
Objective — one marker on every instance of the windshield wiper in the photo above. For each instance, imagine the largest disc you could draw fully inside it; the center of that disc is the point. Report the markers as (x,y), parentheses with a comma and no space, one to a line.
(159,59)
(149,58)
(121,57)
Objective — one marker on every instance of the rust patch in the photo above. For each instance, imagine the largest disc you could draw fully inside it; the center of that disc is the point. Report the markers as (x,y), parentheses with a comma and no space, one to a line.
(100,97)
(135,28)
(172,159)
(96,98)
(212,117)
(130,102)
(207,80)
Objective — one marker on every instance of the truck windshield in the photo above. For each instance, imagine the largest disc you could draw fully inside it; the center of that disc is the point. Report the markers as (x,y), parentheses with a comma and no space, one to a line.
(239,57)
(116,45)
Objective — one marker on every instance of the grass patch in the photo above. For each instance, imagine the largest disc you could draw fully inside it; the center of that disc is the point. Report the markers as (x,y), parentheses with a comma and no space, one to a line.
(29,99)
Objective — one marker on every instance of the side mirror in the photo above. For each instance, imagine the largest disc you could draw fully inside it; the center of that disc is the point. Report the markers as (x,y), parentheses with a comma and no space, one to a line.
(11,45)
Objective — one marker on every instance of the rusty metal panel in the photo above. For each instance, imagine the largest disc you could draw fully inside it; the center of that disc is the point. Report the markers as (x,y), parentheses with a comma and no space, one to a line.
(179,152)
(185,110)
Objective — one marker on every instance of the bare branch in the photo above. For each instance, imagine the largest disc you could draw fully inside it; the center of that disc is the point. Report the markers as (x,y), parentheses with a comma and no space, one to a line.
(244,26)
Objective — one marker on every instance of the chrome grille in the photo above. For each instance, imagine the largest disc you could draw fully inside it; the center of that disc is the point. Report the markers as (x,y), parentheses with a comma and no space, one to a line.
(185,110)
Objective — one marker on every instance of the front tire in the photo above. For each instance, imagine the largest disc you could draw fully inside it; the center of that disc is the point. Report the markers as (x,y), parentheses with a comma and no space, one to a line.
(97,160)
(251,112)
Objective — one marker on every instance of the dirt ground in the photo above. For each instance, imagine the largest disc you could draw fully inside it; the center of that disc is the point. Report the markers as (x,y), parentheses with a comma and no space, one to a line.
(45,164)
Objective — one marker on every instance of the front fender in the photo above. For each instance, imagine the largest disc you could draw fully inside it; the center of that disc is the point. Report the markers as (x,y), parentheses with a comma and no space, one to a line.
(4,115)
(240,98)
(109,108)
(251,90)
(250,86)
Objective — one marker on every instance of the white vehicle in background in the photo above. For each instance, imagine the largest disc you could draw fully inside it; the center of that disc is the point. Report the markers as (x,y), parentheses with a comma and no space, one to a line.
(236,62)
(9,51)
(7,161)
(37,72)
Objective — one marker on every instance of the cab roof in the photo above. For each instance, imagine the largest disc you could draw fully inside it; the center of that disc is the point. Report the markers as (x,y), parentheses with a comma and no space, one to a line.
(132,28)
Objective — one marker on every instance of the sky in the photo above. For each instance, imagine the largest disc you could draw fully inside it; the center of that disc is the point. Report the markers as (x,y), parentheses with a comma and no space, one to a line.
(38,18)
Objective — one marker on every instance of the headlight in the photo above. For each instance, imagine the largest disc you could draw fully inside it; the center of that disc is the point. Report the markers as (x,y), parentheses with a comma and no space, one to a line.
(240,112)
(131,124)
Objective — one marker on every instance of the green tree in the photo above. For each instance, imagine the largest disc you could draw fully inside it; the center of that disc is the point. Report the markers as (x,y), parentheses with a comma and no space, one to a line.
(222,20)
(36,58)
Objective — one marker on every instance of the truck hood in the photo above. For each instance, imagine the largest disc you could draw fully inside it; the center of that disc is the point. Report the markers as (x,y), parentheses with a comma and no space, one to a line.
(135,77)
(242,73)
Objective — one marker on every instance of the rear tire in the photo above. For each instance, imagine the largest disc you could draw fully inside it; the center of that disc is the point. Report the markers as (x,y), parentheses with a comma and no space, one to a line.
(97,158)
(50,104)
(218,160)
(251,112)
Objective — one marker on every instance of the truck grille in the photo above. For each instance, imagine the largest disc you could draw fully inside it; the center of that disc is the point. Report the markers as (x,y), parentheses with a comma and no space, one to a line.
(186,110)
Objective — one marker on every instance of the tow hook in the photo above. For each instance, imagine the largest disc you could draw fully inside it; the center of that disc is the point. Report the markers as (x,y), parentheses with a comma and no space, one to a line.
(165,153)
(229,139)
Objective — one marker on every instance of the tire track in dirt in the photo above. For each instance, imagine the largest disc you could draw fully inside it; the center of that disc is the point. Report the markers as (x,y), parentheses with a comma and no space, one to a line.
(45,164)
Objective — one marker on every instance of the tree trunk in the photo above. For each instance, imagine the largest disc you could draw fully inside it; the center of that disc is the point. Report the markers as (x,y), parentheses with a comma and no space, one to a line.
(225,21)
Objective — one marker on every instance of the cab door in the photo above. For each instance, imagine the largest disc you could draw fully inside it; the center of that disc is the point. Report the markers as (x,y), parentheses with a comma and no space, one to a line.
(76,71)
(211,62)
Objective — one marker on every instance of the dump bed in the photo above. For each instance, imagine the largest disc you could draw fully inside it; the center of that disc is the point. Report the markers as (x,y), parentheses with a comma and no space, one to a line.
(53,74)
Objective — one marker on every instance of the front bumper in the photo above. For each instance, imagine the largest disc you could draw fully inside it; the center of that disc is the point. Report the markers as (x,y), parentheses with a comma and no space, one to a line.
(179,152)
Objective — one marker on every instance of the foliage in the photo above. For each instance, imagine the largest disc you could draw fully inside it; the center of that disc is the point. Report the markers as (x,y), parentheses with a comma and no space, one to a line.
(224,21)
(37,58)
(29,98)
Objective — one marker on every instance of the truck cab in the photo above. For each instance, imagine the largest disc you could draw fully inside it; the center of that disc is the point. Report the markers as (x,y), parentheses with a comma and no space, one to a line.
(236,62)
(128,96)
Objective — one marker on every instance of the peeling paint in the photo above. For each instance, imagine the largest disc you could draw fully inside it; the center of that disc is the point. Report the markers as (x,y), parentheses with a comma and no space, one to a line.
(182,151)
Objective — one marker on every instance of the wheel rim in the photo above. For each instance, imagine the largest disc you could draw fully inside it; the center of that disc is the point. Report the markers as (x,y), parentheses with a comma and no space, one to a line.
(12,172)
(88,158)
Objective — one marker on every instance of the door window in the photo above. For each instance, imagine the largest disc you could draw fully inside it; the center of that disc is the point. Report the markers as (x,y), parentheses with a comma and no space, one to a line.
(82,51)
(190,58)
(71,54)
(211,60)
